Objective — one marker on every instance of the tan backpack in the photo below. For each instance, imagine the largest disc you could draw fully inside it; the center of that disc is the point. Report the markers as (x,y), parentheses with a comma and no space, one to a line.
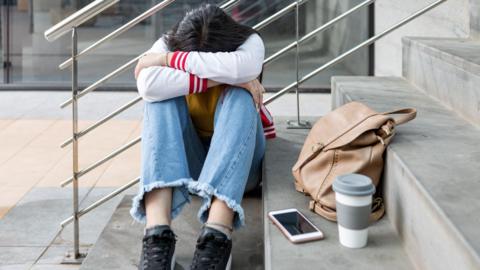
(350,139)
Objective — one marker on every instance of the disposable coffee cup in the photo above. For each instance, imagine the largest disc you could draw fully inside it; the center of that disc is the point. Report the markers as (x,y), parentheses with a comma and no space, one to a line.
(353,195)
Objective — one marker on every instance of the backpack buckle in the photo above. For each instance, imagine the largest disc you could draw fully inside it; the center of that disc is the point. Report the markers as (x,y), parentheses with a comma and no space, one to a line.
(311,205)
(317,147)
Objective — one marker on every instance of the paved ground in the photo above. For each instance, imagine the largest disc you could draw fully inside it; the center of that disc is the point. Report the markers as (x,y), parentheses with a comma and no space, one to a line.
(32,165)
(32,127)
(31,236)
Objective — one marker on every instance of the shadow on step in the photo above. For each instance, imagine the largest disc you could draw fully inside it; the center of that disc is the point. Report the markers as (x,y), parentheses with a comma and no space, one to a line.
(120,242)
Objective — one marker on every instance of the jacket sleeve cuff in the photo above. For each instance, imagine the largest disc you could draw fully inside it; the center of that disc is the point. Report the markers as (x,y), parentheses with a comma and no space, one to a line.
(197,85)
(178,60)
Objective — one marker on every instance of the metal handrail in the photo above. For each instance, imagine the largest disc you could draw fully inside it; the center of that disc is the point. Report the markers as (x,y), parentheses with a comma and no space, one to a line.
(260,25)
(102,80)
(78,18)
(145,15)
(120,30)
(227,6)
(266,62)
(75,168)
(103,120)
(103,160)
(231,3)
(277,15)
(75,95)
(353,50)
(101,201)
(120,69)
(292,85)
(316,31)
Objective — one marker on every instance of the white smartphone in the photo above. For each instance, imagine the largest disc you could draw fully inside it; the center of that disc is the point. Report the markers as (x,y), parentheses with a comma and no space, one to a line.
(295,226)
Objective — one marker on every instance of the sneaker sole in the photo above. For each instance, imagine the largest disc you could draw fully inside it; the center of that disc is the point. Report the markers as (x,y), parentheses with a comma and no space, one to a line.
(229,263)
(172,264)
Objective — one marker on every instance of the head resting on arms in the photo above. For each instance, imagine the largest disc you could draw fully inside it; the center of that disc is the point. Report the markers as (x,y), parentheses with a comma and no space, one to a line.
(207,29)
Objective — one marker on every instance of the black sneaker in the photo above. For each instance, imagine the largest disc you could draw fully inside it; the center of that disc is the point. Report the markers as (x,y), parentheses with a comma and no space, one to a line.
(213,251)
(158,251)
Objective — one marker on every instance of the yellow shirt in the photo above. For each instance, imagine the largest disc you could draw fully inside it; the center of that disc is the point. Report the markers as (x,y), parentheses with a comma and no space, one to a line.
(201,107)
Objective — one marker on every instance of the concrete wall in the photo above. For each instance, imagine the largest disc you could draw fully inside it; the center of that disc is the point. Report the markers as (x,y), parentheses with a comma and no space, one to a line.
(451,19)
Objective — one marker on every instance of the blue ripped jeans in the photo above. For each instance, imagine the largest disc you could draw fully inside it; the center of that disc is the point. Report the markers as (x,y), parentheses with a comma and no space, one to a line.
(173,155)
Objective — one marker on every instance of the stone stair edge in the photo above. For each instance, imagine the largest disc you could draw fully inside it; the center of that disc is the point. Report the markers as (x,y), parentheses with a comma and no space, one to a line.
(419,185)
(438,209)
(426,194)
(382,250)
(447,69)
(456,60)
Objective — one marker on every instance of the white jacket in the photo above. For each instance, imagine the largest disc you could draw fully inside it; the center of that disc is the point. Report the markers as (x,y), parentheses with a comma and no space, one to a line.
(189,72)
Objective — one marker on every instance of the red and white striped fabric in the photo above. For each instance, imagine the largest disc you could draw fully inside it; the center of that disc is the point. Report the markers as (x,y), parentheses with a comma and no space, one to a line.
(178,60)
(188,73)
(267,122)
(197,85)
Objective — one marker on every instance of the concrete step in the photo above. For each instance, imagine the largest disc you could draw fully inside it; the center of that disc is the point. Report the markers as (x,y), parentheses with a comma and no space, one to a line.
(384,250)
(119,245)
(431,179)
(447,69)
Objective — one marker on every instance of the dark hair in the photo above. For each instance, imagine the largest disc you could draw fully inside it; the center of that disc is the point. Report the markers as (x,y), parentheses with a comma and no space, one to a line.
(207,29)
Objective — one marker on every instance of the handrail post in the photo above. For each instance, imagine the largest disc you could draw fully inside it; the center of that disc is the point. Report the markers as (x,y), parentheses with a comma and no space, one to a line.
(75,167)
(297,124)
(341,57)
(76,257)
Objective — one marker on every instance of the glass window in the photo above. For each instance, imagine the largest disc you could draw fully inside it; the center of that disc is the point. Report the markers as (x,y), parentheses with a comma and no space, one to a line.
(34,61)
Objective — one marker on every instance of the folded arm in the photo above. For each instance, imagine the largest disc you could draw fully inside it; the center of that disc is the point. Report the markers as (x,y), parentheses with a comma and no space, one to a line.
(157,83)
(160,83)
(195,72)
(240,66)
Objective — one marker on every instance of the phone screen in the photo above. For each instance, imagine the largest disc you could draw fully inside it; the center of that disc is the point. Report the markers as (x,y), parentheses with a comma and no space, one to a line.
(294,223)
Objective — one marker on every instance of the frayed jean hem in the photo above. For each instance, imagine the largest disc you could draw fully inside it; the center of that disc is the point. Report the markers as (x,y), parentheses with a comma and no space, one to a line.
(206,191)
(138,207)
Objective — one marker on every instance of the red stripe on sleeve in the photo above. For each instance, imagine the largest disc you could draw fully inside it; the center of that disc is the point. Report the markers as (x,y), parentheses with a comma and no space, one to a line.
(271,136)
(178,63)
(174,59)
(184,60)
(192,83)
(199,85)
(197,89)
(204,85)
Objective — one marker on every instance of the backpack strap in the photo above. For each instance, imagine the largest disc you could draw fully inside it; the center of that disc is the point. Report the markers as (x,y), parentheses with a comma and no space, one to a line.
(378,210)
(405,115)
(323,211)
